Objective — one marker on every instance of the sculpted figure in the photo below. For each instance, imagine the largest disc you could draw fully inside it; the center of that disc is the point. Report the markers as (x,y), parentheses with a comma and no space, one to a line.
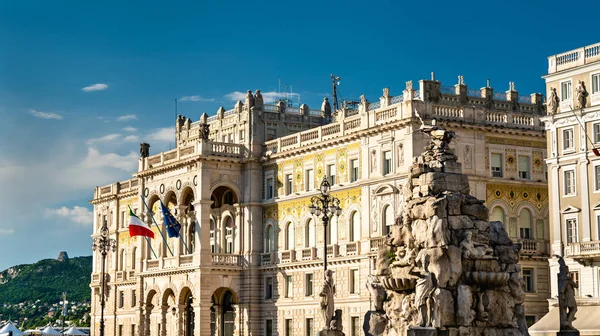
(326,295)
(204,131)
(473,250)
(426,285)
(144,150)
(377,291)
(326,107)
(581,94)
(552,105)
(566,296)
(406,255)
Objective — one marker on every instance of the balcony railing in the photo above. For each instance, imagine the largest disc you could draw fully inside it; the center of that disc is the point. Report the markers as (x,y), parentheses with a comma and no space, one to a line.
(583,250)
(532,247)
(288,256)
(573,58)
(309,253)
(226,259)
(353,248)
(377,243)
(333,250)
(267,258)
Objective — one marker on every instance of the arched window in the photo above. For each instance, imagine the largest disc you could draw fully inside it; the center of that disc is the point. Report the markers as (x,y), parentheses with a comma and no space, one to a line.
(354,226)
(332,237)
(309,239)
(228,234)
(213,247)
(525,224)
(270,239)
(289,236)
(122,260)
(387,220)
(133,256)
(497,215)
(228,197)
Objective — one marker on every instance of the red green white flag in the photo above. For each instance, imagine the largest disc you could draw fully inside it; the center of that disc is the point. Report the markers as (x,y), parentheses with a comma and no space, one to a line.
(137,227)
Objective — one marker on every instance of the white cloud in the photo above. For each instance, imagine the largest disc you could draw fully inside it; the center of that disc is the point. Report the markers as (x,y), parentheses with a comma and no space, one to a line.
(45,115)
(77,214)
(95,159)
(165,134)
(95,87)
(127,117)
(268,97)
(131,138)
(106,138)
(129,129)
(196,99)
(6,232)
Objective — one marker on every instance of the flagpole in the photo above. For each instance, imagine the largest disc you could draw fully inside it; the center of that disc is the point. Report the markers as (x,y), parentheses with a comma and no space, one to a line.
(179,232)
(184,244)
(159,231)
(147,240)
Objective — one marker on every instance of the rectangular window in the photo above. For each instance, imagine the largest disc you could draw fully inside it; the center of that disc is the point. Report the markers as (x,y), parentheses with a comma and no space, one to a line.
(269,288)
(289,184)
(355,326)
(524,167)
(270,188)
(354,170)
(572,236)
(229,247)
(230,137)
(288,328)
(597,175)
(525,233)
(529,320)
(597,133)
(598,228)
(120,330)
(528,280)
(331,173)
(121,299)
(133,330)
(309,327)
(565,90)
(496,165)
(569,182)
(289,286)
(310,180)
(133,298)
(575,277)
(224,137)
(308,284)
(387,162)
(271,133)
(354,281)
(242,135)
(568,139)
(595,83)
(269,328)
(123,218)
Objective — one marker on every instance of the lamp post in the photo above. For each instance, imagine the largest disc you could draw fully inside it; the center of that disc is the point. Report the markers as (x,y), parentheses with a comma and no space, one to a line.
(325,205)
(104,245)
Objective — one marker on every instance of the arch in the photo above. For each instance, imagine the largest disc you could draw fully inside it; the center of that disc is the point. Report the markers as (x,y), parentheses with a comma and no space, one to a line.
(498,215)
(219,293)
(228,228)
(187,197)
(385,189)
(269,237)
(168,294)
(525,223)
(387,219)
(219,190)
(290,236)
(310,233)
(499,203)
(170,199)
(354,227)
(186,299)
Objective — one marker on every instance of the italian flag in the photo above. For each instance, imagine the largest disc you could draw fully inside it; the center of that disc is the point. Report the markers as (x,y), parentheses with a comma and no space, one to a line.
(137,227)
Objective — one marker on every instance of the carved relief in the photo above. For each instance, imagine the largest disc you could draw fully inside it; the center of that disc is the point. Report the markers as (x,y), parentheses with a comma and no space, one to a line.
(467,157)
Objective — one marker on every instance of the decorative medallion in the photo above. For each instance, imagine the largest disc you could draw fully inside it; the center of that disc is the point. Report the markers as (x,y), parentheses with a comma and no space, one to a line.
(162,188)
(178,184)
(537,162)
(498,193)
(146,192)
(195,180)
(525,195)
(511,194)
(510,159)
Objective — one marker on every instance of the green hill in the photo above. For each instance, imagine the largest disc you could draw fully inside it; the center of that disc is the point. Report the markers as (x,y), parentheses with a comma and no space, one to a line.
(46,280)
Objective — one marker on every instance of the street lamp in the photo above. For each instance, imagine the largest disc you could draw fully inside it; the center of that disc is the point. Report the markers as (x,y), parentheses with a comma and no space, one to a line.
(104,245)
(325,205)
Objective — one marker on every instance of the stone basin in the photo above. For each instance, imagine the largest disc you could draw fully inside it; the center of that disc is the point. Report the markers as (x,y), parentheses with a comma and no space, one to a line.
(398,284)
(487,279)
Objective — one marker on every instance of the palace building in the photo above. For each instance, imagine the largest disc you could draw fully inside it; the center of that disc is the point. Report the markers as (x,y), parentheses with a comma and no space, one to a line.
(250,257)
(573,132)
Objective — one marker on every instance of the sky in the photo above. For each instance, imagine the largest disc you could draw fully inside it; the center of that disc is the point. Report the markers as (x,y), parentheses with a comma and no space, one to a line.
(82,83)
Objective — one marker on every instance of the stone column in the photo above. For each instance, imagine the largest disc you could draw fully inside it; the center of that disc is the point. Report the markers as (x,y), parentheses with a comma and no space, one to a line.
(180,319)
(148,312)
(236,319)
(202,238)
(164,309)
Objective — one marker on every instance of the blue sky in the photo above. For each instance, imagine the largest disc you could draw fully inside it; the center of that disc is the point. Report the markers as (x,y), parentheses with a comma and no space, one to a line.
(58,141)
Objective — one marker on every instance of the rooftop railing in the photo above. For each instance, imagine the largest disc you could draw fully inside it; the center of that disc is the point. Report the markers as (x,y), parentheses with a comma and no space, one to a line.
(573,58)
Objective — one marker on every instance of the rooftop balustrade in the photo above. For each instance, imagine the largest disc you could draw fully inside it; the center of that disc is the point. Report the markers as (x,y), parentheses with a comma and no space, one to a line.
(574,58)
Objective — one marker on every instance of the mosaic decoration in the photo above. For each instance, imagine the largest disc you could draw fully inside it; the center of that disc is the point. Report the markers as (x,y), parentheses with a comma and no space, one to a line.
(515,142)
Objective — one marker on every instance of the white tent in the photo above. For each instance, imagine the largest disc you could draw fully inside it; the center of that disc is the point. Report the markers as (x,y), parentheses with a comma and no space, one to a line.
(74,331)
(50,331)
(10,327)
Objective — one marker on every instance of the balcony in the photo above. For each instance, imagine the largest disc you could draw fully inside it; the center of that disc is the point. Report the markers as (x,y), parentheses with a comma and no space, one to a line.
(288,256)
(589,251)
(309,253)
(377,243)
(531,247)
(226,259)
(353,248)
(333,251)
(267,258)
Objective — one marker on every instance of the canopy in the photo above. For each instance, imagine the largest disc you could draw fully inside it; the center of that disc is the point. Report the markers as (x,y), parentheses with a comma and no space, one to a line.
(74,331)
(586,322)
(10,327)
(50,331)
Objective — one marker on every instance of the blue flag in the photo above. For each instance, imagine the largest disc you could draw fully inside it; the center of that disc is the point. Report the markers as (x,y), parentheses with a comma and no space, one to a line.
(171,223)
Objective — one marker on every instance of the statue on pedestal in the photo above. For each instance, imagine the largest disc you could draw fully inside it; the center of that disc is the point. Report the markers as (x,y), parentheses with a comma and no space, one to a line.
(204,131)
(581,94)
(327,293)
(424,289)
(566,296)
(553,101)
(144,150)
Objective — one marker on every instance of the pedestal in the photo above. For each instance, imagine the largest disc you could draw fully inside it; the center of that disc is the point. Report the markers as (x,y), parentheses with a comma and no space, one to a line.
(422,332)
(568,333)
(330,333)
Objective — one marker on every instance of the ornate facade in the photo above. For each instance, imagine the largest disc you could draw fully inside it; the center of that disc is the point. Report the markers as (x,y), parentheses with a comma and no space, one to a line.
(250,260)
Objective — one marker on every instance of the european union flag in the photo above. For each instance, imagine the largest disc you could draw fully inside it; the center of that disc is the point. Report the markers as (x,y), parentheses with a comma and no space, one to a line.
(171,223)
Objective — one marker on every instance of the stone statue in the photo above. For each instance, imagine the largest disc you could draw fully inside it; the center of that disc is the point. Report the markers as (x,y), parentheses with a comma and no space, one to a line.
(386,92)
(377,292)
(566,296)
(581,94)
(373,161)
(327,293)
(400,154)
(204,131)
(473,250)
(409,85)
(336,322)
(553,102)
(406,255)
(326,107)
(424,289)
(363,99)
(144,150)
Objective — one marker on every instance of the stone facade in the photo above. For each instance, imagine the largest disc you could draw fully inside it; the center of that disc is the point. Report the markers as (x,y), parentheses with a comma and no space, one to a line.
(250,257)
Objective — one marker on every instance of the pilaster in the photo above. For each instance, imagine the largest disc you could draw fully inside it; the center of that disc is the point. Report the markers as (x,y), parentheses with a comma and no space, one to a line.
(585,204)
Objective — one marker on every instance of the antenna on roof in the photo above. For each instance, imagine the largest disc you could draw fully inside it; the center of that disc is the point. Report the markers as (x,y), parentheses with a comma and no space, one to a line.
(335,81)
